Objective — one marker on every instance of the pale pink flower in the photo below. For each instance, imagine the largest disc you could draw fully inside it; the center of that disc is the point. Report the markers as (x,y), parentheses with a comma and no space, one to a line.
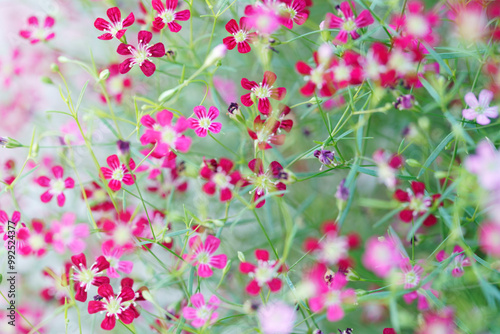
(410,275)
(440,321)
(262,18)
(486,165)
(201,313)
(68,235)
(489,238)
(480,110)
(56,186)
(381,256)
(421,296)
(277,318)
(201,254)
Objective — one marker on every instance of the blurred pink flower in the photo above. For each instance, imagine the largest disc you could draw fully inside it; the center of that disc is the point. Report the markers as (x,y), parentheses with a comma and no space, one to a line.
(68,235)
(277,318)
(485,164)
(480,110)
(201,314)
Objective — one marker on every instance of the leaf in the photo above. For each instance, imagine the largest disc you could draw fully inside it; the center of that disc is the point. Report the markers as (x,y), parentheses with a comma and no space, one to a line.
(80,97)
(58,112)
(431,90)
(435,154)
(438,58)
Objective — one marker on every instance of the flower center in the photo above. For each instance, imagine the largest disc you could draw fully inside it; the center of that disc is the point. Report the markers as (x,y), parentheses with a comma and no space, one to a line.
(221,180)
(113,306)
(140,54)
(168,16)
(203,312)
(333,249)
(203,258)
(36,241)
(262,91)
(479,109)
(332,298)
(287,11)
(416,25)
(168,135)
(317,76)
(411,279)
(418,204)
(262,182)
(115,27)
(240,36)
(118,174)
(205,122)
(57,186)
(264,272)
(121,235)
(84,276)
(342,72)
(349,25)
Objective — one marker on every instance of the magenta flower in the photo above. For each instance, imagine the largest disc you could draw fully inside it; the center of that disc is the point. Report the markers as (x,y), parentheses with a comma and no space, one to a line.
(220,176)
(201,254)
(168,15)
(458,263)
(480,110)
(67,235)
(56,186)
(35,33)
(165,134)
(241,35)
(347,22)
(387,165)
(416,203)
(293,11)
(205,122)
(262,17)
(4,224)
(381,256)
(489,238)
(421,296)
(115,307)
(141,54)
(201,313)
(112,254)
(265,272)
(410,275)
(118,173)
(438,321)
(84,276)
(265,182)
(262,91)
(116,27)
(329,293)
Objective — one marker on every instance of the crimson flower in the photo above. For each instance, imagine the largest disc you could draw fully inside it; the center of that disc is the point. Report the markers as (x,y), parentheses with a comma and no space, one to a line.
(168,15)
(116,307)
(57,186)
(265,182)
(116,27)
(262,91)
(417,203)
(347,22)
(240,35)
(141,54)
(84,276)
(118,173)
(264,132)
(219,175)
(264,272)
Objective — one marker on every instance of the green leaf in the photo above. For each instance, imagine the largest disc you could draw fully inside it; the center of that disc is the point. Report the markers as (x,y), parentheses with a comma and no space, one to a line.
(80,97)
(431,90)
(435,154)
(438,58)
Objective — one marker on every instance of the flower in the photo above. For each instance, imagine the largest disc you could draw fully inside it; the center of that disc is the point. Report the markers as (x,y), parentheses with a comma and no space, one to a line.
(262,91)
(168,15)
(118,173)
(201,254)
(418,203)
(439,321)
(165,134)
(122,229)
(240,35)
(140,56)
(292,11)
(318,77)
(264,272)
(220,177)
(277,318)
(404,102)
(326,157)
(485,165)
(59,285)
(458,263)
(205,122)
(417,25)
(381,256)
(116,27)
(387,166)
(84,277)
(201,313)
(480,110)
(116,307)
(347,23)
(342,192)
(266,182)
(262,17)
(330,250)
(410,275)
(67,235)
(112,254)
(35,33)
(56,186)
(265,132)
(489,238)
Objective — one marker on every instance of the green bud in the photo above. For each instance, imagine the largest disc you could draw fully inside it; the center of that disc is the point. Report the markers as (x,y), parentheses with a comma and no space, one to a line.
(104,75)
(54,67)
(424,123)
(63,59)
(47,80)
(413,163)
(241,256)
(10,142)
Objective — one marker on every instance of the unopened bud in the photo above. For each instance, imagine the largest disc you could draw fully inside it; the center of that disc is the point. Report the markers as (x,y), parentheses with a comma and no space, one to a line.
(104,75)
(241,256)
(54,67)
(351,275)
(413,163)
(325,53)
(9,142)
(168,94)
(216,54)
(47,80)
(63,59)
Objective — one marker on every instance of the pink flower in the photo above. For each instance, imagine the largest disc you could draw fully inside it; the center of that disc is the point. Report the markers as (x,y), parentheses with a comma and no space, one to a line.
(18,235)
(168,15)
(318,77)
(387,165)
(118,173)
(264,132)
(115,307)
(113,255)
(330,250)
(37,239)
(485,165)
(56,185)
(67,235)
(263,18)
(381,256)
(123,229)
(262,91)
(220,176)
(266,182)
(277,318)
(201,254)
(329,294)
(439,321)
(421,295)
(165,134)
(265,272)
(59,285)
(293,11)
(140,56)
(116,27)
(489,238)
(4,224)
(346,70)
(411,275)
(201,313)
(347,22)
(458,263)
(480,110)
(35,33)
(240,35)
(416,24)
(205,122)
(84,276)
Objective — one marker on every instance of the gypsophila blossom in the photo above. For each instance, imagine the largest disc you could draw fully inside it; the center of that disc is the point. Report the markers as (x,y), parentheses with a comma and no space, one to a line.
(265,272)
(277,318)
(118,172)
(202,255)
(347,22)
(265,182)
(56,186)
(114,306)
(115,28)
(201,314)
(84,276)
(141,54)
(262,92)
(205,121)
(458,263)
(241,35)
(168,15)
(35,33)
(480,110)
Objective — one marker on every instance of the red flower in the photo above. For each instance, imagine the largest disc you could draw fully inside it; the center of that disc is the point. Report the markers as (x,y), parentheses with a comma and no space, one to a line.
(140,56)
(118,173)
(347,22)
(116,307)
(417,203)
(168,16)
(262,91)
(346,70)
(265,133)
(316,77)
(57,186)
(116,27)
(219,175)
(293,11)
(240,35)
(84,277)
(264,272)
(266,182)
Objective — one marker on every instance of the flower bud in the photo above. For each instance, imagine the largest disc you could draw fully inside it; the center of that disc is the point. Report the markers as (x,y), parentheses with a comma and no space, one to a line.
(216,54)
(241,256)
(47,80)
(413,163)
(325,53)
(104,75)
(54,67)
(9,142)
